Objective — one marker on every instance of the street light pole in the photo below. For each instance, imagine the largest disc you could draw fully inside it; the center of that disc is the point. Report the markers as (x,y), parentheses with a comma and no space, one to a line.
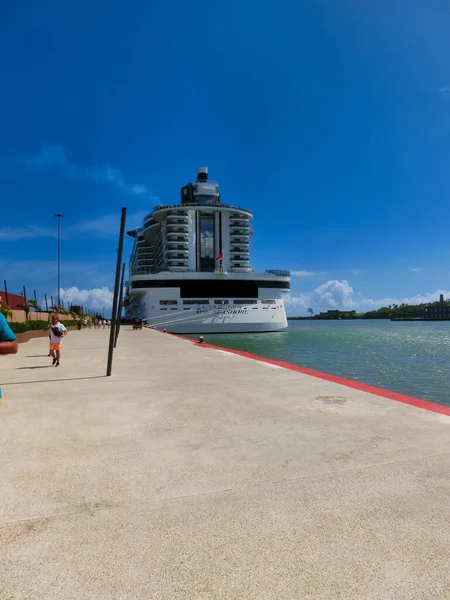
(58,216)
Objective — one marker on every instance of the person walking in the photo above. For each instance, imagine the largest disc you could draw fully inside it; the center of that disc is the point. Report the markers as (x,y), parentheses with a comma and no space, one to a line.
(57,332)
(8,340)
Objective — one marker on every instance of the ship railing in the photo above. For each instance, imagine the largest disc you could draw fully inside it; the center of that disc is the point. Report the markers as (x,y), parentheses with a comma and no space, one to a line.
(278,272)
(240,269)
(150,271)
(192,204)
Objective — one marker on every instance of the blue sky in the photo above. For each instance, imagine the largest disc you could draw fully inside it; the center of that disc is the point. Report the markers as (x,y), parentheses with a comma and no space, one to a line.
(329,119)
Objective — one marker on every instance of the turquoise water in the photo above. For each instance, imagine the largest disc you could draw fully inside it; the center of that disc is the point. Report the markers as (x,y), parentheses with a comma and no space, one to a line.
(411,358)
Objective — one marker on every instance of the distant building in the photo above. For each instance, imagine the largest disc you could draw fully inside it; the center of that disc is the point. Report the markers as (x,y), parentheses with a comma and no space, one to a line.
(439,310)
(78,310)
(13,300)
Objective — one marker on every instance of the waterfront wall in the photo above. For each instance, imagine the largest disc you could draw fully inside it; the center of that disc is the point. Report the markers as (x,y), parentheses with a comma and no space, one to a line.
(39,333)
(19,316)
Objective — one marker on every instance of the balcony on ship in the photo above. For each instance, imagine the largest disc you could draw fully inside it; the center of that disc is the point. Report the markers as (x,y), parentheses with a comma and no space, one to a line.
(239,227)
(238,221)
(177,216)
(177,244)
(176,235)
(181,227)
(238,238)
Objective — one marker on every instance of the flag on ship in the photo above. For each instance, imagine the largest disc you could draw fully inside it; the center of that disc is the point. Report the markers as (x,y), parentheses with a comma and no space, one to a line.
(219,256)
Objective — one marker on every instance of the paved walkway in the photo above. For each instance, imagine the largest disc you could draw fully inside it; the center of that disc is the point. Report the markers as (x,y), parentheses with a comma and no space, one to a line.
(198,474)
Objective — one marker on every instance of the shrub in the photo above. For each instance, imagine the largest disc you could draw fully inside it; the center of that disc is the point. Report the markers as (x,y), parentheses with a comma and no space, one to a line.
(37,325)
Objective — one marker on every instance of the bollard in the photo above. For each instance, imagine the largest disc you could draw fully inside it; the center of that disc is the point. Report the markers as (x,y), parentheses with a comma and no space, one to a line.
(201,340)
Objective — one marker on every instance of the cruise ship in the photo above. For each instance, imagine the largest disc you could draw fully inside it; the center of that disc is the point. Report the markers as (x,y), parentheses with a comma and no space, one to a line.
(191,271)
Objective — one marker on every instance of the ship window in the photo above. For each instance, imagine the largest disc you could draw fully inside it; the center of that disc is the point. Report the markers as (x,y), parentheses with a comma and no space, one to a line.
(220,301)
(165,302)
(207,262)
(213,288)
(245,301)
(195,301)
(205,199)
(268,301)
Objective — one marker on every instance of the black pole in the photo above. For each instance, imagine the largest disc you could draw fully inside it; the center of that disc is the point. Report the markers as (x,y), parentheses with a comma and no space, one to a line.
(6,292)
(46,302)
(35,297)
(119,311)
(58,216)
(53,304)
(25,294)
(112,333)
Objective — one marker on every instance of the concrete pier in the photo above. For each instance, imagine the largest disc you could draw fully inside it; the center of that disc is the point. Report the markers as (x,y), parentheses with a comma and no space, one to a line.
(194,473)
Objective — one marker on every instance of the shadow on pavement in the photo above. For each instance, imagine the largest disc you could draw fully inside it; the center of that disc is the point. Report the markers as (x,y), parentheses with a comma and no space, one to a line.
(38,367)
(51,380)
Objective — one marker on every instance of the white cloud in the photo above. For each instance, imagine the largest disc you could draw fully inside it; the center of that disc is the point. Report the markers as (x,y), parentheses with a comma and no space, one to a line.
(25,233)
(356,272)
(138,189)
(96,298)
(41,275)
(108,225)
(340,295)
(417,270)
(104,226)
(445,90)
(52,156)
(302,273)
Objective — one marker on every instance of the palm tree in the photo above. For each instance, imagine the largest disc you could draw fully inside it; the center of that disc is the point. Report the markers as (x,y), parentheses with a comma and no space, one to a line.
(6,312)
(310,311)
(35,305)
(26,307)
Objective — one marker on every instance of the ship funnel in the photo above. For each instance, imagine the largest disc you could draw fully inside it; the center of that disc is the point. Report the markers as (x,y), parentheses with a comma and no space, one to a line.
(202,174)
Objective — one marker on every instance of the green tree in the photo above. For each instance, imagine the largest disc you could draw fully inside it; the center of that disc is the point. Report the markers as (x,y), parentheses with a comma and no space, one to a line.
(25,307)
(6,312)
(34,304)
(310,311)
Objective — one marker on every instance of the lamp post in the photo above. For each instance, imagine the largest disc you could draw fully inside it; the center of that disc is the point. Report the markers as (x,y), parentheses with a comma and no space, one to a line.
(58,216)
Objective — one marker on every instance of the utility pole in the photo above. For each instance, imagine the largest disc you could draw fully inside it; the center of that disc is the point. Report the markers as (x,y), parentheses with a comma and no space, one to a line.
(119,310)
(58,216)
(6,292)
(112,333)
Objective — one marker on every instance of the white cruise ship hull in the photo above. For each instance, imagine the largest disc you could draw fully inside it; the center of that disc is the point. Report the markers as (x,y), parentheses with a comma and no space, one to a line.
(221,319)
(165,301)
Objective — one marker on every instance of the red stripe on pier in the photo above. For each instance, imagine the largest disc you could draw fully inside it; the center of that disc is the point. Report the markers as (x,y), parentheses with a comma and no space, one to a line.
(356,385)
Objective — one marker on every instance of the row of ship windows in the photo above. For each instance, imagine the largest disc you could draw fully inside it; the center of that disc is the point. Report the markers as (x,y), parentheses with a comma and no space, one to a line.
(173,302)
